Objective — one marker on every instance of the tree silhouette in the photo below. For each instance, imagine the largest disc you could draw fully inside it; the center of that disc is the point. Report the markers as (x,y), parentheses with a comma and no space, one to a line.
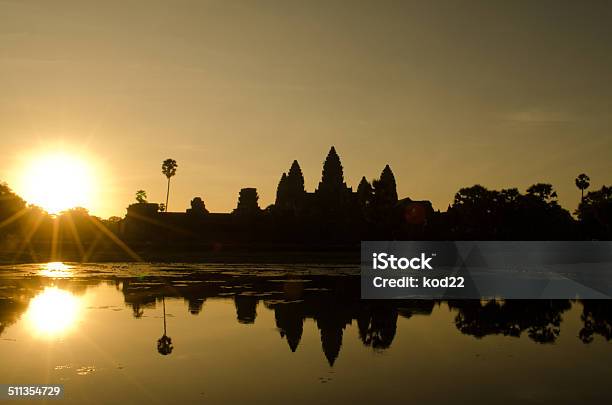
(582,182)
(543,192)
(595,213)
(479,213)
(141,196)
(12,207)
(168,169)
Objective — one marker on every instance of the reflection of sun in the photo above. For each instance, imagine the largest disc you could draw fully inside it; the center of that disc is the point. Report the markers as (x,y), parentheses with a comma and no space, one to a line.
(57,182)
(55,270)
(53,312)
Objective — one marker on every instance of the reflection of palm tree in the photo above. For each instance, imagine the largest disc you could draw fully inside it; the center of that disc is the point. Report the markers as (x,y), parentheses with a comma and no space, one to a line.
(582,182)
(168,169)
(164,344)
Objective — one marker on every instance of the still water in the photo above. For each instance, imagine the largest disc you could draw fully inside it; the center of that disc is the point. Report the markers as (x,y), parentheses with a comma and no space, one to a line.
(134,333)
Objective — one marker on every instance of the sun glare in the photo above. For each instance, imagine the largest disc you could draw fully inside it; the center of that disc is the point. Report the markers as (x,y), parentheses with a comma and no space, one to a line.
(55,270)
(53,312)
(57,182)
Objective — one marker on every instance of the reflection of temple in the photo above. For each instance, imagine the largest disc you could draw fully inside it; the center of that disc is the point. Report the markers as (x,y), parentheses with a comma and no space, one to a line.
(331,302)
(377,322)
(246,308)
(331,317)
(290,322)
(136,299)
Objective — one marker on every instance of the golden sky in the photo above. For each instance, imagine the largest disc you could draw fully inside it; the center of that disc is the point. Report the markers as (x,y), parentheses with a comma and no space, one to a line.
(448,93)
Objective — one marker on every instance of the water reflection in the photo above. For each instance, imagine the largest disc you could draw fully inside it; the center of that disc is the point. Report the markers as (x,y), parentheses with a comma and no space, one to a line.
(52,312)
(540,319)
(164,343)
(597,318)
(331,302)
(55,270)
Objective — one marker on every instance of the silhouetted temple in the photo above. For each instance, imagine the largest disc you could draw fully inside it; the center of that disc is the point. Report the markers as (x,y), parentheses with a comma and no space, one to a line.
(333,212)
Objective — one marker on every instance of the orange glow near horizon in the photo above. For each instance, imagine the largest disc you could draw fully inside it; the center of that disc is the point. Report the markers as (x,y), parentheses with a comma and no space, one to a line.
(57,182)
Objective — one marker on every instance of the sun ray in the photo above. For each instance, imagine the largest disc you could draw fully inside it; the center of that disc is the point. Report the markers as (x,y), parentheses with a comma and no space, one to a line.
(55,239)
(115,239)
(28,237)
(13,217)
(162,224)
(92,246)
(75,234)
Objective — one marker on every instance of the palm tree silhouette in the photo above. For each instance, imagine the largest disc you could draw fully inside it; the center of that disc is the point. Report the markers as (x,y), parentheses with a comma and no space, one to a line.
(582,182)
(168,169)
(141,196)
(164,343)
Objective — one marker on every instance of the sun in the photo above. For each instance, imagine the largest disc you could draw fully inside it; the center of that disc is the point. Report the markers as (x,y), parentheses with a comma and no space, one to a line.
(57,182)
